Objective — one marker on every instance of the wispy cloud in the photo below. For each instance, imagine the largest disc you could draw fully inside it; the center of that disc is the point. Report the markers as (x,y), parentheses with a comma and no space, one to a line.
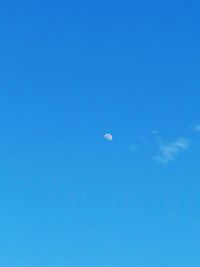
(154,132)
(197,128)
(169,151)
(132,147)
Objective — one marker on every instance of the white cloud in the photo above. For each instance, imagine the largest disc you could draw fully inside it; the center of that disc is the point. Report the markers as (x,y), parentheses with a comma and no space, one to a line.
(169,151)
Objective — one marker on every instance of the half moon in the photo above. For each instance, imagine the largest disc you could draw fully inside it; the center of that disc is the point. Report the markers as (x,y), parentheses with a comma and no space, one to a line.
(108,137)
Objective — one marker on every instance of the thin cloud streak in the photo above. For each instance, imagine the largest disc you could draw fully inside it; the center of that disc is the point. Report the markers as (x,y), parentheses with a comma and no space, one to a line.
(170,151)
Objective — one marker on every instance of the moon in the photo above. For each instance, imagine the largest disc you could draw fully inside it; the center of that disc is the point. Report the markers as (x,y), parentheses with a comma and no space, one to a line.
(108,137)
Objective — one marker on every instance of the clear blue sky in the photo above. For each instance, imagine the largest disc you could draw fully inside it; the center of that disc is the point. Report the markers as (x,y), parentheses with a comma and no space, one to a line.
(71,71)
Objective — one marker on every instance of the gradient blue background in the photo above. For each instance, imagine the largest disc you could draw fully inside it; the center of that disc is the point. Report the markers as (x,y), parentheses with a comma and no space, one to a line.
(71,71)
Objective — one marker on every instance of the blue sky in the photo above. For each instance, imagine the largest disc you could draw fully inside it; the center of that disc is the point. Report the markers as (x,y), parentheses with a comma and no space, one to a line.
(71,71)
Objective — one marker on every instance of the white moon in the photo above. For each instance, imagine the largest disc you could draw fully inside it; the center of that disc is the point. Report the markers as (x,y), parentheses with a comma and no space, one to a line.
(108,137)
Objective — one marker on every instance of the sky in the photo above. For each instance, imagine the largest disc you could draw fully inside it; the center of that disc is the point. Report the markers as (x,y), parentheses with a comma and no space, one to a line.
(71,72)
